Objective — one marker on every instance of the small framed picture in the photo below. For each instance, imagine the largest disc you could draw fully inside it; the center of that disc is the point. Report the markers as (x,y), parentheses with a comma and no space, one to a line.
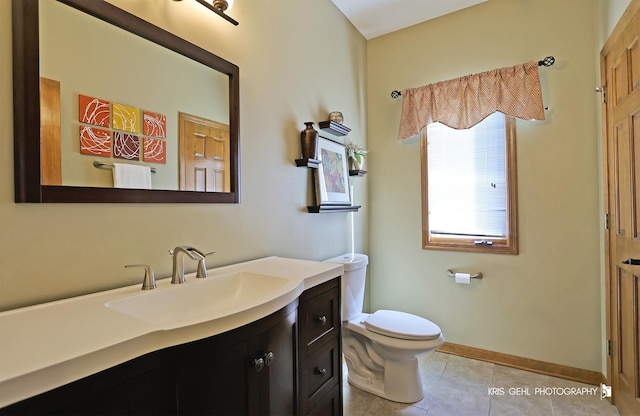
(332,175)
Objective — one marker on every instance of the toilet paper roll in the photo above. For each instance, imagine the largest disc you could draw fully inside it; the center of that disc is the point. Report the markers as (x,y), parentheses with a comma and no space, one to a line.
(463,278)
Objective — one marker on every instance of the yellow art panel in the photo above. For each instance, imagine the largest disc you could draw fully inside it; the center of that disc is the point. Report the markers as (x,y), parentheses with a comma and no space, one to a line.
(125,118)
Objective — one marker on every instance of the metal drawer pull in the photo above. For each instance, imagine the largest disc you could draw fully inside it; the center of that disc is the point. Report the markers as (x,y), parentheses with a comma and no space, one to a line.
(633,262)
(322,319)
(268,358)
(321,371)
(258,364)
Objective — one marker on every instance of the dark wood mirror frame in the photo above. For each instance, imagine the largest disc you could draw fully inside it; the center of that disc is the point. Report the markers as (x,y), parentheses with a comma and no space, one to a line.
(26,109)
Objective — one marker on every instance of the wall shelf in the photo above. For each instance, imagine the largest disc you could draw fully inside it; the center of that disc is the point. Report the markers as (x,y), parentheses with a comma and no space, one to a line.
(315,209)
(308,163)
(334,128)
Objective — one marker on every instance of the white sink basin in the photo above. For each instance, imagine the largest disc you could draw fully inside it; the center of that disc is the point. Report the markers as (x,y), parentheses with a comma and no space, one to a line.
(202,299)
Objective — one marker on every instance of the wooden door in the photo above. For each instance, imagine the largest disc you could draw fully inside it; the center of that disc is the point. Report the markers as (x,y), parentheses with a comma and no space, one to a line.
(204,155)
(50,132)
(620,64)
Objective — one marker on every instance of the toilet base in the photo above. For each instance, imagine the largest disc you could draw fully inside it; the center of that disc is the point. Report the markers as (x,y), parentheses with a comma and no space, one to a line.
(401,382)
(384,366)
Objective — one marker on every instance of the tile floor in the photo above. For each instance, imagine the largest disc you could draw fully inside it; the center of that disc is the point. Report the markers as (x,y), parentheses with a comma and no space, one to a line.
(457,386)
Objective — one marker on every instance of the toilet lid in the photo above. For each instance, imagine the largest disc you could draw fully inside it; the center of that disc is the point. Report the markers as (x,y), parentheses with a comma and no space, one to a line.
(401,325)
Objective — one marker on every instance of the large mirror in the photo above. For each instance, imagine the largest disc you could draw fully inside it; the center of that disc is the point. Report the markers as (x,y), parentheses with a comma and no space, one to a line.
(97,88)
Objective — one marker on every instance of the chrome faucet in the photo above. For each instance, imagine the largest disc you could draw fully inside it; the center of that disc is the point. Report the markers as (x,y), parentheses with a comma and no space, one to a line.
(178,261)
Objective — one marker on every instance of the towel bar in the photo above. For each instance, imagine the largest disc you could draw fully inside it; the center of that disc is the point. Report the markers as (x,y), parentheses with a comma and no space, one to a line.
(101,165)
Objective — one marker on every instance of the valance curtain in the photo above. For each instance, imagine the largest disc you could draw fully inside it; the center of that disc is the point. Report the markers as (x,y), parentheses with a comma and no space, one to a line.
(463,102)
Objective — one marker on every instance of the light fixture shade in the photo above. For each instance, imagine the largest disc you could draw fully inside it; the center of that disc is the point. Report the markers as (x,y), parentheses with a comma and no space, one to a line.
(220,4)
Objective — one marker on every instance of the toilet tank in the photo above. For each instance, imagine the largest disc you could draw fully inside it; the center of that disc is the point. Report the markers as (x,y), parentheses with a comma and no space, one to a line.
(353,283)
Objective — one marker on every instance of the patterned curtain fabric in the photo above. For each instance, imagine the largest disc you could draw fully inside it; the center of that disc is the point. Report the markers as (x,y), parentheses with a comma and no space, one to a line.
(463,102)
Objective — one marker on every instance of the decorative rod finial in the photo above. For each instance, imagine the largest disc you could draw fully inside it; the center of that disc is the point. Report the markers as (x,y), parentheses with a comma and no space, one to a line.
(548,61)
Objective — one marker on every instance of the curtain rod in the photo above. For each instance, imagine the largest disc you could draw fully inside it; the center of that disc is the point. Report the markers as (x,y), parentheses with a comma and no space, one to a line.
(547,62)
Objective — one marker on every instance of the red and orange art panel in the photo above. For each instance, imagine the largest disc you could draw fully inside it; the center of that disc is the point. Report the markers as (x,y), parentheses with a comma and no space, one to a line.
(94,111)
(155,124)
(95,141)
(154,150)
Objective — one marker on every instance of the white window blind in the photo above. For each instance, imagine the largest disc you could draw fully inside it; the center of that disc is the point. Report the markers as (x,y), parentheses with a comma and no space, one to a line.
(467,188)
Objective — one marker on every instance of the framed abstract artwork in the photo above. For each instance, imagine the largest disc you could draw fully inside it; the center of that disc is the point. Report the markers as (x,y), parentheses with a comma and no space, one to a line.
(332,175)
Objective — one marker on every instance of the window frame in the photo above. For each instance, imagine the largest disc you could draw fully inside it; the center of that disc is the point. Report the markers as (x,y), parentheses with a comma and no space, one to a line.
(469,243)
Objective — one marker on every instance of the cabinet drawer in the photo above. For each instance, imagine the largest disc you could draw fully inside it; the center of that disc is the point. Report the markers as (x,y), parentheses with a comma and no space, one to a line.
(320,316)
(322,372)
(329,405)
(319,355)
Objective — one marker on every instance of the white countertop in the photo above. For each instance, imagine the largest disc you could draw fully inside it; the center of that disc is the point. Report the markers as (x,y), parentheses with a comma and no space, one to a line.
(48,345)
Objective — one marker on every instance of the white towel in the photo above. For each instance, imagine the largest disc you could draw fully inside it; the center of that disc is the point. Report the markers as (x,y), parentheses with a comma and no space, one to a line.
(126,175)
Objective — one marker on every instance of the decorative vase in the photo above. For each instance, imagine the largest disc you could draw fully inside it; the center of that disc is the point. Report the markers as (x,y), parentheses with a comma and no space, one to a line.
(355,165)
(309,141)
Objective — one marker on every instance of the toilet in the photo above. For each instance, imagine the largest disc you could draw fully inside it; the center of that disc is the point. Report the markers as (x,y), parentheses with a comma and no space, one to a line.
(382,349)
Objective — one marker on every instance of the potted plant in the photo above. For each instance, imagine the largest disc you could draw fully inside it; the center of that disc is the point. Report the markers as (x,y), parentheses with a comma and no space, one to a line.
(356,154)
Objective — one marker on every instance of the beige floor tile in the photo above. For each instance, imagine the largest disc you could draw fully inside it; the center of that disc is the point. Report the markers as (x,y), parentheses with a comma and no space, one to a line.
(381,407)
(355,402)
(520,405)
(451,401)
(508,377)
(471,376)
(457,386)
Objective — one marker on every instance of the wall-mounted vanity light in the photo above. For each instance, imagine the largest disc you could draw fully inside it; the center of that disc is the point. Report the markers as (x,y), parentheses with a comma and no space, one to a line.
(219,7)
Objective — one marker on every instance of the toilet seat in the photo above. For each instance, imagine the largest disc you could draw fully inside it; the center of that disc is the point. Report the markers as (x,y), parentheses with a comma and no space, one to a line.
(401,325)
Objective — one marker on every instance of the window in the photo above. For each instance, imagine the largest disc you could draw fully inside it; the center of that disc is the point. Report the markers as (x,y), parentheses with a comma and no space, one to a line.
(469,187)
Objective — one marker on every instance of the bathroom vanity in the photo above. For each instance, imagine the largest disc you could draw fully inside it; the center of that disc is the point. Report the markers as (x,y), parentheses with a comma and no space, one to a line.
(280,355)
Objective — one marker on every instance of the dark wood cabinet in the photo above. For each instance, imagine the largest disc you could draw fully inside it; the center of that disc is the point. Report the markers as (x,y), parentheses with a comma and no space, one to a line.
(320,350)
(130,388)
(287,363)
(248,371)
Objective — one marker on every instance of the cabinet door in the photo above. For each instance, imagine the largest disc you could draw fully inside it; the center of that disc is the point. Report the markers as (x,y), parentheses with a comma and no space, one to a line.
(219,375)
(277,381)
(214,380)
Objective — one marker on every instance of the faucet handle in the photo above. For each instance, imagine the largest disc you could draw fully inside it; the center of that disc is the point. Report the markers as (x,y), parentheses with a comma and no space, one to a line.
(202,266)
(149,281)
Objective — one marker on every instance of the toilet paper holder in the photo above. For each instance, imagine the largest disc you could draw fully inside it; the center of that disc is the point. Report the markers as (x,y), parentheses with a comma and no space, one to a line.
(473,276)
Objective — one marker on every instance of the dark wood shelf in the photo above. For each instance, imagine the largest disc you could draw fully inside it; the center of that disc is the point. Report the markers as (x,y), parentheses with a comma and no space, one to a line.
(308,163)
(314,209)
(334,128)
(357,172)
